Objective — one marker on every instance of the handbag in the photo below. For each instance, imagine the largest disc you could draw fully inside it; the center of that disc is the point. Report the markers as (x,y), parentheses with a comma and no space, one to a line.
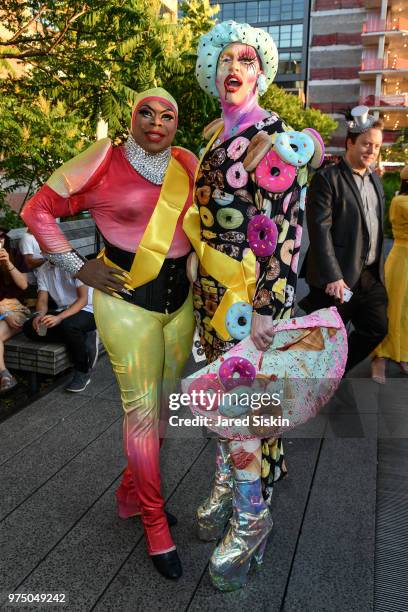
(247,393)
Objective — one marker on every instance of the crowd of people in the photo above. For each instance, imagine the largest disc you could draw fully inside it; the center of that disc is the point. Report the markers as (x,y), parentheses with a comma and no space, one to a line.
(241,209)
(62,312)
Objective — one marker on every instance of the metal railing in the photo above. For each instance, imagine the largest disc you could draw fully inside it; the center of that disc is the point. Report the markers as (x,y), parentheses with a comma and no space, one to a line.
(385,100)
(387,63)
(391,24)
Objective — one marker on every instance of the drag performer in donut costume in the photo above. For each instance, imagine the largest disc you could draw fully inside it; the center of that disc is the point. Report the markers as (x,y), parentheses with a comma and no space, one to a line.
(138,194)
(250,194)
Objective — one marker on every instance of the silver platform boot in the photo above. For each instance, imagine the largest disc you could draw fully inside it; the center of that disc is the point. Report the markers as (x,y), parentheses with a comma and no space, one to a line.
(245,540)
(214,512)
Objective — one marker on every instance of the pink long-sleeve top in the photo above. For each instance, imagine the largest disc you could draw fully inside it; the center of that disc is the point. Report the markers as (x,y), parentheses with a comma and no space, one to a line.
(119,199)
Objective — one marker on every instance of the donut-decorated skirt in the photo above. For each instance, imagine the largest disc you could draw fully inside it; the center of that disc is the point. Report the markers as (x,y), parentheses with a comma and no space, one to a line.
(264,394)
(261,211)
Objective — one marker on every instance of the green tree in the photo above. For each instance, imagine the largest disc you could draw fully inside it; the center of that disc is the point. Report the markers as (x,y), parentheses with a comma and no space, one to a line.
(95,55)
(35,138)
(398,152)
(197,109)
(68,63)
(290,108)
(81,61)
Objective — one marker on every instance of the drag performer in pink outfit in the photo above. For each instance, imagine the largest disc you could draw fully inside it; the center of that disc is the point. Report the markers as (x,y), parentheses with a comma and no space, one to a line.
(138,194)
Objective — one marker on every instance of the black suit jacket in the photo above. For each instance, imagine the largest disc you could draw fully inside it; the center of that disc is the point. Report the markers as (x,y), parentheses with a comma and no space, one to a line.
(338,232)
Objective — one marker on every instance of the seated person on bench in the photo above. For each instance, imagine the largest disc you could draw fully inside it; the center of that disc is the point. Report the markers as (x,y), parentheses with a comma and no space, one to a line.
(13,313)
(72,324)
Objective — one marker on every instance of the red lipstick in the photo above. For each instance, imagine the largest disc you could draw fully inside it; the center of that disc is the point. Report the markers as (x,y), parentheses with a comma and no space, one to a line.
(232,83)
(153,136)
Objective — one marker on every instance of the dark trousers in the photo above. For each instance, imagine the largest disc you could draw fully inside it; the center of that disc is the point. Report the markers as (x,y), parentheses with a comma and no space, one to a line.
(72,332)
(367,311)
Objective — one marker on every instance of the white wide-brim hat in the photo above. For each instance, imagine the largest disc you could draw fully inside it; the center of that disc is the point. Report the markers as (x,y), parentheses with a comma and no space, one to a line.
(225,33)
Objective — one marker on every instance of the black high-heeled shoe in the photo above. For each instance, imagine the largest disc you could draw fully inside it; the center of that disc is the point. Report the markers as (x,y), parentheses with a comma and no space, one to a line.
(168,565)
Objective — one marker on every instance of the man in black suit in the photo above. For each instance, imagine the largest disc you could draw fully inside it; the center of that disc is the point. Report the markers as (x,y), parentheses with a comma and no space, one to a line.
(345,213)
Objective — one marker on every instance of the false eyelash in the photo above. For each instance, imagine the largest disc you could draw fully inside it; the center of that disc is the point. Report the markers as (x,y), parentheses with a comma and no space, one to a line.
(248,58)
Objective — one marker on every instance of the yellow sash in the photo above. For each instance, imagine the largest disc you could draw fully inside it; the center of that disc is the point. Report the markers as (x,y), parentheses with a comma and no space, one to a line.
(237,276)
(158,235)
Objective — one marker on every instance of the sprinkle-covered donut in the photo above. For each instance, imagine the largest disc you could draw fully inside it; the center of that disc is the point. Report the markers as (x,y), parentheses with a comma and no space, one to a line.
(233,370)
(273,268)
(232,250)
(216,177)
(238,320)
(251,211)
(237,147)
(237,237)
(206,216)
(217,158)
(229,218)
(203,195)
(268,121)
(243,194)
(262,235)
(230,405)
(208,384)
(295,148)
(222,198)
(273,174)
(319,149)
(237,176)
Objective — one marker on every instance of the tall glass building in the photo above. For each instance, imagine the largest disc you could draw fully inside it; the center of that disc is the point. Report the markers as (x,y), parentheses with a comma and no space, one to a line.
(288,23)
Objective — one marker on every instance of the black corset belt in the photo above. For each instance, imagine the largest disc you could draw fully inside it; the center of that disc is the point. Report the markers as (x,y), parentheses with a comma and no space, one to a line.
(166,293)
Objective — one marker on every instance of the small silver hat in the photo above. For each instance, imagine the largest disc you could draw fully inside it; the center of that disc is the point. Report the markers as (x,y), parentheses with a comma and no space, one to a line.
(362,121)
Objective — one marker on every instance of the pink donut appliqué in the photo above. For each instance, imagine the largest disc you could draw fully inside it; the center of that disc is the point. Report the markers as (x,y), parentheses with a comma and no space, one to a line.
(237,147)
(262,236)
(273,174)
(207,383)
(237,176)
(236,365)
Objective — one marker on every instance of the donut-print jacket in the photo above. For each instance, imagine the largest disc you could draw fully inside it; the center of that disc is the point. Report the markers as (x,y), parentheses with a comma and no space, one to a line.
(228,198)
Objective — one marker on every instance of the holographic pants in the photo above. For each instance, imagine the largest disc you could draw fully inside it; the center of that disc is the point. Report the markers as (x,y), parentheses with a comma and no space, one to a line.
(148,351)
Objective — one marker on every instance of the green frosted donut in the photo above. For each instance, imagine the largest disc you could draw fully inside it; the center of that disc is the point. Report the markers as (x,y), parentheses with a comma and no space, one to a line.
(230,218)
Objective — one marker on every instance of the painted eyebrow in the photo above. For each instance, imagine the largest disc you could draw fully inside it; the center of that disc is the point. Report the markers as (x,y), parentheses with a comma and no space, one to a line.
(166,110)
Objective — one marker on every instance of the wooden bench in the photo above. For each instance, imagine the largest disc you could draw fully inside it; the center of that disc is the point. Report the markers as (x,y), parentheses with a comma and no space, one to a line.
(82,234)
(38,357)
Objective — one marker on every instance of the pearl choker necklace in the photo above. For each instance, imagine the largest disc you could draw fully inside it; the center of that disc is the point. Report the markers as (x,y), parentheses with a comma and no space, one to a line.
(151,166)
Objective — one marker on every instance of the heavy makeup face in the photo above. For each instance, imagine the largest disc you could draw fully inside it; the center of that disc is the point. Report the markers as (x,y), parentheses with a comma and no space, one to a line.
(154,126)
(237,71)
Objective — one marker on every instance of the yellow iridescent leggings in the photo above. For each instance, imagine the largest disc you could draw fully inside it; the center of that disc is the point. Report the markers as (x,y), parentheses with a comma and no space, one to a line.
(148,351)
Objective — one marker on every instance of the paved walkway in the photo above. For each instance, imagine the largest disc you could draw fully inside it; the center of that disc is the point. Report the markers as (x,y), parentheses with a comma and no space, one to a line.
(60,462)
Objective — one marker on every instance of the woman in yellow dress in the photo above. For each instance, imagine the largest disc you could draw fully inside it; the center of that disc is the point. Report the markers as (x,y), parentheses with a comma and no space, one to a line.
(395,344)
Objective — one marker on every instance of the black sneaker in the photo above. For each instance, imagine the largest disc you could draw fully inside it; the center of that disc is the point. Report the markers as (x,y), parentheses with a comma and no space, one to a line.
(79,382)
(92,347)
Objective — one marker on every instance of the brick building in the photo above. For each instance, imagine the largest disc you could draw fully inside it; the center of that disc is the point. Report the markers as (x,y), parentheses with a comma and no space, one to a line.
(359,55)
